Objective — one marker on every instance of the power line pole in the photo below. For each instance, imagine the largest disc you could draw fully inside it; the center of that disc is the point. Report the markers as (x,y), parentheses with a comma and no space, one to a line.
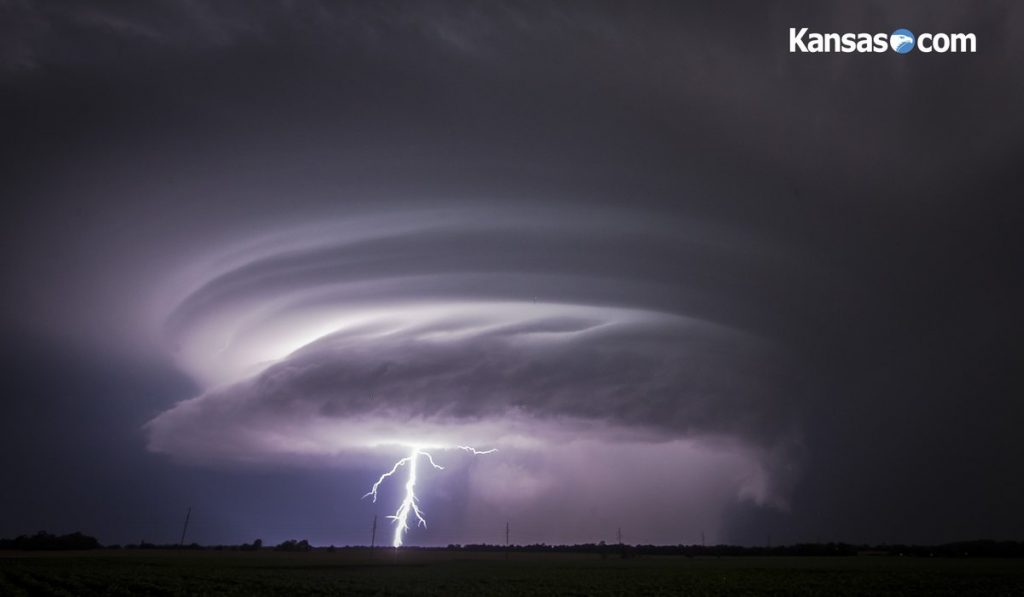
(184,529)
(619,535)
(373,533)
(507,528)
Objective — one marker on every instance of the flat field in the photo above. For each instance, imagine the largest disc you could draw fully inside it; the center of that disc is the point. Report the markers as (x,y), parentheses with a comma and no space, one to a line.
(451,574)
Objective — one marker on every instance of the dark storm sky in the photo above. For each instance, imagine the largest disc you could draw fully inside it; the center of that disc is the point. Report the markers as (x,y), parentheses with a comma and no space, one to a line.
(243,242)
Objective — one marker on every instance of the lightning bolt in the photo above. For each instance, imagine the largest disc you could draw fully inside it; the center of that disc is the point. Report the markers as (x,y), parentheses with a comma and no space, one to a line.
(476,452)
(409,504)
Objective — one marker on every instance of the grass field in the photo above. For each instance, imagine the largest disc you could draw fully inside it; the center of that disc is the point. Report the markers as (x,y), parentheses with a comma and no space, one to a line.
(357,572)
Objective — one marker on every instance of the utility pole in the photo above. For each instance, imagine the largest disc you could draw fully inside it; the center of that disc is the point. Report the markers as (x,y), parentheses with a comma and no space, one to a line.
(619,535)
(184,529)
(373,533)
(702,543)
(507,527)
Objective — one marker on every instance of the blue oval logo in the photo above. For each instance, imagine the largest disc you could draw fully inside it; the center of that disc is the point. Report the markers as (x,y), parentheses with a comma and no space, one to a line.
(902,41)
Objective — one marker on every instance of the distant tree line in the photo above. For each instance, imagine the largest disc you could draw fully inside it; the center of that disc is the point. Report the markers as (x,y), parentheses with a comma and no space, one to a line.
(980,548)
(43,541)
(293,545)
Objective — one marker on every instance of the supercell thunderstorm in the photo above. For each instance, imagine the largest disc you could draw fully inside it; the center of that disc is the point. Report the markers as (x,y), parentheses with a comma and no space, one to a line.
(528,331)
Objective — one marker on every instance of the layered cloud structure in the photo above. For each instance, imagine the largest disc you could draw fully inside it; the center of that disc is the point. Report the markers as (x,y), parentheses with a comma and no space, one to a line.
(548,333)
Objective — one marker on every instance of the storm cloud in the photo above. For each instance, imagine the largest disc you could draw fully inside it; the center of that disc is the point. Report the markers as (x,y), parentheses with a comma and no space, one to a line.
(533,332)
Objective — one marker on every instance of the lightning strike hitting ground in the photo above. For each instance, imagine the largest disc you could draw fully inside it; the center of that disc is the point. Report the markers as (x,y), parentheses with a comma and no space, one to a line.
(409,505)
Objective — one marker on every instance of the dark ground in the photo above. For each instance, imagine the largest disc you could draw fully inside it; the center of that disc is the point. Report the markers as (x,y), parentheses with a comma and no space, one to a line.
(356,572)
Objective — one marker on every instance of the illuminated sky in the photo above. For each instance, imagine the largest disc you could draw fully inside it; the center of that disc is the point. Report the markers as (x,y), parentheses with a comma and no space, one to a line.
(684,281)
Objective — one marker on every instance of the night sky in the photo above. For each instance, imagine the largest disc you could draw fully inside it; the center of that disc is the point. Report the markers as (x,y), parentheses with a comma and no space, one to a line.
(683,280)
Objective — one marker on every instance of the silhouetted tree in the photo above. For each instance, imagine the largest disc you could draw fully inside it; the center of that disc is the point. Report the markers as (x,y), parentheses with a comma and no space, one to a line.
(45,541)
(293,545)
